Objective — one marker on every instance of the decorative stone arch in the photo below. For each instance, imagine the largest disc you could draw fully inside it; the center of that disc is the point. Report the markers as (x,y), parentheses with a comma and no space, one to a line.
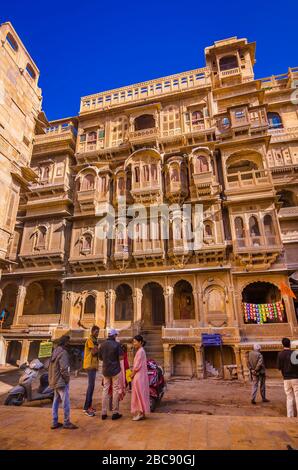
(183,300)
(43,296)
(144,120)
(124,303)
(201,153)
(183,360)
(85,303)
(153,303)
(250,155)
(8,301)
(137,155)
(84,246)
(90,170)
(41,230)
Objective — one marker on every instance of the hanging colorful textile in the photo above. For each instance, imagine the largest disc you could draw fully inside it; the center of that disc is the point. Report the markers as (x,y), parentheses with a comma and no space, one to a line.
(262,313)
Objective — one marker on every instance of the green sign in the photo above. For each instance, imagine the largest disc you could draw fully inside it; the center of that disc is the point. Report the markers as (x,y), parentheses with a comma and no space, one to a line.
(45,349)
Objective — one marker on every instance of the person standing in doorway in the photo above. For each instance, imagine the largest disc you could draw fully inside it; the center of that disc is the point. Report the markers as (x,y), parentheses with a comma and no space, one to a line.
(91,365)
(140,398)
(111,353)
(257,373)
(287,363)
(59,377)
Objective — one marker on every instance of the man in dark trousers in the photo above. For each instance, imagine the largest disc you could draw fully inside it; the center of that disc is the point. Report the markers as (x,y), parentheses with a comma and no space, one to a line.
(59,376)
(258,373)
(287,363)
(110,353)
(91,365)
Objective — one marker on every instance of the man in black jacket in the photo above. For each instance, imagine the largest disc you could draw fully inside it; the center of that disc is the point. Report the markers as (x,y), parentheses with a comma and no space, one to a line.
(287,363)
(110,353)
(59,376)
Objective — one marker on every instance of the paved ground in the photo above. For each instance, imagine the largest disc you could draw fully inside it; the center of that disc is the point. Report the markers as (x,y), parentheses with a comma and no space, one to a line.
(197,414)
(28,428)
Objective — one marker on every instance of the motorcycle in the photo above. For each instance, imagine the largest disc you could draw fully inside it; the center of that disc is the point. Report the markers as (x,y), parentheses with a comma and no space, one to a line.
(23,390)
(156,383)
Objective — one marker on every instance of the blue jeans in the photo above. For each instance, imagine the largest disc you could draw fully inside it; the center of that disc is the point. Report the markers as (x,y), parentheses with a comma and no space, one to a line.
(61,395)
(90,389)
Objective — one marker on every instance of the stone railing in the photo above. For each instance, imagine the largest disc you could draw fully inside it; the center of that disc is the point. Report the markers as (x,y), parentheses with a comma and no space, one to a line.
(244,179)
(280,134)
(45,319)
(144,134)
(288,212)
(227,73)
(192,79)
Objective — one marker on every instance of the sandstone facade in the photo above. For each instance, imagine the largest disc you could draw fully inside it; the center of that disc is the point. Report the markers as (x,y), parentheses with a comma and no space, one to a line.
(215,138)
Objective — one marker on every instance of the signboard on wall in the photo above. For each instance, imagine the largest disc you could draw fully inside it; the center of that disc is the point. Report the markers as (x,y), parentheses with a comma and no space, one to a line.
(45,349)
(211,340)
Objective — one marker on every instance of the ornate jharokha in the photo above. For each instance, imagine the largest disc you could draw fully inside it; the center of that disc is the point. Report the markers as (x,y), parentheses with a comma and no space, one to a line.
(167,208)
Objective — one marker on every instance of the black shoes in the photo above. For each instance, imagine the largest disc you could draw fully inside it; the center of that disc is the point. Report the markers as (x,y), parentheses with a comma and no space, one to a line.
(103,417)
(116,416)
(253,402)
(69,426)
(265,400)
(57,426)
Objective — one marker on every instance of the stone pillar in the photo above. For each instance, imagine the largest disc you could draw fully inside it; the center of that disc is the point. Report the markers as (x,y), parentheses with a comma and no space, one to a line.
(199,361)
(290,311)
(167,352)
(19,304)
(196,296)
(243,355)
(239,364)
(110,303)
(1,293)
(137,306)
(65,309)
(169,305)
(25,351)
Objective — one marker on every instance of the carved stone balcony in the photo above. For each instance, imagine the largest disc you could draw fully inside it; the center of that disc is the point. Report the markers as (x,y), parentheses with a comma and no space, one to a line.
(283,134)
(205,184)
(179,251)
(148,252)
(121,255)
(241,182)
(89,262)
(176,191)
(230,73)
(257,251)
(58,138)
(213,252)
(92,200)
(288,212)
(144,136)
(42,258)
(146,191)
(39,322)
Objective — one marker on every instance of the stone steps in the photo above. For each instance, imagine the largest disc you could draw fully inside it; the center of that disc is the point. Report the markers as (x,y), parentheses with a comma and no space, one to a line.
(153,348)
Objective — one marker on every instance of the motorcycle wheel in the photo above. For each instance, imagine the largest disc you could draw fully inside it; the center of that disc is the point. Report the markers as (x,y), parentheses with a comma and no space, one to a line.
(153,403)
(14,400)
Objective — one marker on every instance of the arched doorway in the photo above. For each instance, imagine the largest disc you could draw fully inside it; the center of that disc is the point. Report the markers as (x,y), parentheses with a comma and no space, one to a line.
(13,352)
(183,301)
(43,297)
(124,303)
(153,304)
(262,303)
(8,302)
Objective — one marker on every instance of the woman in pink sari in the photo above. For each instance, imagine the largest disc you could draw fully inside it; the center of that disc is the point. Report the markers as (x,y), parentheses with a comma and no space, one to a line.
(140,401)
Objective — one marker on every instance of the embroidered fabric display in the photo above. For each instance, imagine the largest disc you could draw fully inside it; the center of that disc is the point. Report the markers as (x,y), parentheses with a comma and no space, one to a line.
(261,313)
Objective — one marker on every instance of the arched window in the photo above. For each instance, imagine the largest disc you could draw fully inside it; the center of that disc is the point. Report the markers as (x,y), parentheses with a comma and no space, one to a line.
(269,229)
(274,120)
(45,174)
(30,71)
(88,182)
(254,231)
(240,233)
(137,174)
(146,121)
(154,171)
(208,230)
(91,137)
(197,118)
(40,240)
(201,164)
(12,42)
(124,303)
(146,173)
(171,121)
(103,186)
(175,174)
(228,62)
(183,301)
(86,243)
(90,305)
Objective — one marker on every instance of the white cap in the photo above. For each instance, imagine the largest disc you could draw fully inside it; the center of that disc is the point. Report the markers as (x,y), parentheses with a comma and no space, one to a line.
(257,347)
(112,332)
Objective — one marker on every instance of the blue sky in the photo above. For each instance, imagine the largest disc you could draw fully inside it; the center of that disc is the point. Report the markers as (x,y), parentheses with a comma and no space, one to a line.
(91,46)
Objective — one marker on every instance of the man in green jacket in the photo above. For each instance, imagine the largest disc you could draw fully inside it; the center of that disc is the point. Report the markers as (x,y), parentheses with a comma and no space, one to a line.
(59,376)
